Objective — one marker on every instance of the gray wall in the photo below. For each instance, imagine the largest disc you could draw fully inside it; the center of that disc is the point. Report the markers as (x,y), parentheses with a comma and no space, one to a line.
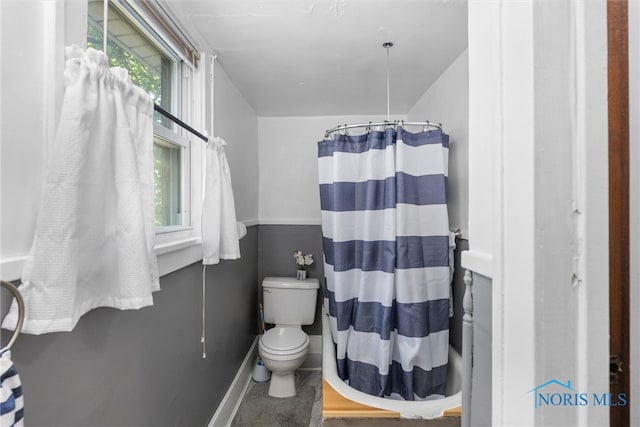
(447,102)
(276,246)
(455,324)
(145,367)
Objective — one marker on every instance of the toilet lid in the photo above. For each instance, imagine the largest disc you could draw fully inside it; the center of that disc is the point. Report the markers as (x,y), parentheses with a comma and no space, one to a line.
(284,339)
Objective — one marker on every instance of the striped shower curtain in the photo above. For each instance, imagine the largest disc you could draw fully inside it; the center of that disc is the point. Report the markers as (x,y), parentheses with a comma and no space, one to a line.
(386,251)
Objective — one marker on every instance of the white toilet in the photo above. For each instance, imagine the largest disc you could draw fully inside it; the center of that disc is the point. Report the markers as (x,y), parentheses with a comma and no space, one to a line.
(288,303)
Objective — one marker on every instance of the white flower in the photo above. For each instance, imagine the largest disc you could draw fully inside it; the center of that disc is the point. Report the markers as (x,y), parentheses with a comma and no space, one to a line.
(302,260)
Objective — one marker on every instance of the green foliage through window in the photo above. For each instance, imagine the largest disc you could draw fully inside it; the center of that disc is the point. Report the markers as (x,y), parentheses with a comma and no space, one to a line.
(141,75)
(150,70)
(167,182)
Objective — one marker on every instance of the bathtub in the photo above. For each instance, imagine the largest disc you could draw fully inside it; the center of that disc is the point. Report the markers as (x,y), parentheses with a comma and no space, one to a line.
(408,409)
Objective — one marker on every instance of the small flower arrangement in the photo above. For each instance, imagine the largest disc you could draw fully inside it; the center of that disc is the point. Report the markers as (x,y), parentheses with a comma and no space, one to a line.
(302,260)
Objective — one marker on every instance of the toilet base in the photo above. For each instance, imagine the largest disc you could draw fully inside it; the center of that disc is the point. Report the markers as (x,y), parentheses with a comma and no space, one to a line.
(282,385)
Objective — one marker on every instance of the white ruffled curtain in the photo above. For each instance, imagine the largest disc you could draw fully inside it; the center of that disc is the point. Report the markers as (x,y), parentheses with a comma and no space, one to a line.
(219,227)
(94,240)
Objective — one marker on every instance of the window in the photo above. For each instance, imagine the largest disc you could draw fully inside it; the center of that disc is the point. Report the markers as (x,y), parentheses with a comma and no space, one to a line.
(152,65)
(171,180)
(166,159)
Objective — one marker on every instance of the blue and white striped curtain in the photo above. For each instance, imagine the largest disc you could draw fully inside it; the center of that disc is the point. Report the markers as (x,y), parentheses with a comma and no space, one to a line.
(386,251)
(11,399)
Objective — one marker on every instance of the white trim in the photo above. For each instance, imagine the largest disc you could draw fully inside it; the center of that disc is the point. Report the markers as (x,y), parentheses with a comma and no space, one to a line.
(172,256)
(53,24)
(591,199)
(168,18)
(508,91)
(2,268)
(250,222)
(145,26)
(177,245)
(231,400)
(289,221)
(170,135)
(513,328)
(11,268)
(184,253)
(478,262)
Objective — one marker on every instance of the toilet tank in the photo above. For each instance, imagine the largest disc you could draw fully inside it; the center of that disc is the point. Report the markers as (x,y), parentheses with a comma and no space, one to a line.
(289,301)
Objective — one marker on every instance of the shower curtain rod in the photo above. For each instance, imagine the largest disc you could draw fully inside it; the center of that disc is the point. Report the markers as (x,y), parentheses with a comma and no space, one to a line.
(179,122)
(396,123)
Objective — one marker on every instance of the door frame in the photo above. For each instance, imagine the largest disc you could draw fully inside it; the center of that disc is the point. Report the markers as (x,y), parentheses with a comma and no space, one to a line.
(634,150)
(619,206)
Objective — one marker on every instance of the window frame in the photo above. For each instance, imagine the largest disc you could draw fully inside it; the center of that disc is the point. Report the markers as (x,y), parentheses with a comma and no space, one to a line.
(180,245)
(165,134)
(63,23)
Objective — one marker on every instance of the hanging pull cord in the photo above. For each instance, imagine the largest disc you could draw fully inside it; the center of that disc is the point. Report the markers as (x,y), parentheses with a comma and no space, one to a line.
(203,340)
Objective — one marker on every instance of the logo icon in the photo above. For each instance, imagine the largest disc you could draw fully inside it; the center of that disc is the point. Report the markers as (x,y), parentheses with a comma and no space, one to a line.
(555,399)
(556,393)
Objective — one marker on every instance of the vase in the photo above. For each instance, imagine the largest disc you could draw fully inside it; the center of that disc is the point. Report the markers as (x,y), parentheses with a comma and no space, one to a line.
(301,275)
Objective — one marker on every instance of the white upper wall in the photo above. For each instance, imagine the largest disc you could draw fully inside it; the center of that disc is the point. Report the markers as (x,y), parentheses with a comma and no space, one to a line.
(288,177)
(237,123)
(29,95)
(289,192)
(447,102)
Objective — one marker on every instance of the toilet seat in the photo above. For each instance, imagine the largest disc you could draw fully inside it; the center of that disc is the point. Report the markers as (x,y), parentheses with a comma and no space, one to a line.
(284,341)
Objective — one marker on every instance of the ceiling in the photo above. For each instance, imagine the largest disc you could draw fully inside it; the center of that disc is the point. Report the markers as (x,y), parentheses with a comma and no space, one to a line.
(325,57)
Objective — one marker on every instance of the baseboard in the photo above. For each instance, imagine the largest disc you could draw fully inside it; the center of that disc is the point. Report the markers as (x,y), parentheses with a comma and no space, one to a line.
(231,400)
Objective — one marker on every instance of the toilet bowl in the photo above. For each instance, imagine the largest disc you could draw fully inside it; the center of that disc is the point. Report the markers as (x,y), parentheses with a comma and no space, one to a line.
(288,304)
(283,349)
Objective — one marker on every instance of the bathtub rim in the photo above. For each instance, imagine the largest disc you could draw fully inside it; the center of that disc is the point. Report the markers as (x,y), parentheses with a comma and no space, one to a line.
(426,409)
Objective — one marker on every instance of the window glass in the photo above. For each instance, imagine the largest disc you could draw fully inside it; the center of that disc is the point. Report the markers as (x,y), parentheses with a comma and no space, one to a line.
(152,70)
(148,67)
(167,158)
